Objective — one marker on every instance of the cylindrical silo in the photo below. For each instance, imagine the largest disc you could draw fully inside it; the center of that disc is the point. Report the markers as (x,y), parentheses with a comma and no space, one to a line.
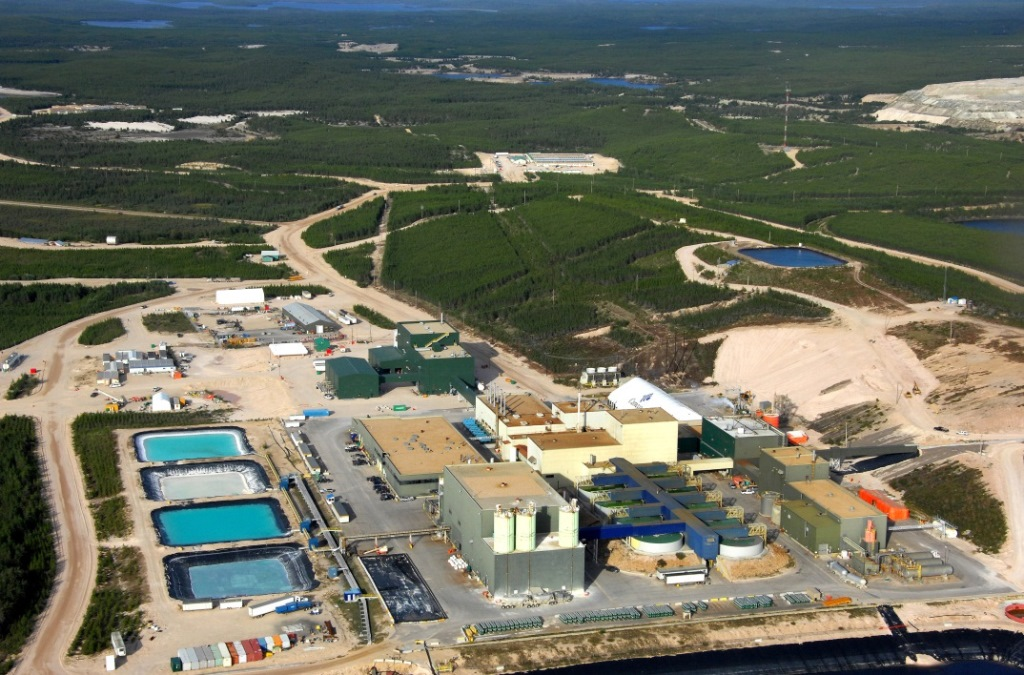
(504,531)
(777,512)
(569,525)
(768,500)
(526,529)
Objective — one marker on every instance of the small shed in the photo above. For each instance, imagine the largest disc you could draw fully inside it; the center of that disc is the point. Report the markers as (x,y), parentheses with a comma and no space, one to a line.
(353,378)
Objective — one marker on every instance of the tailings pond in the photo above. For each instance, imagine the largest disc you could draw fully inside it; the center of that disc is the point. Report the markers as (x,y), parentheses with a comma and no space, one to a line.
(792,256)
(220,522)
(204,480)
(238,572)
(183,444)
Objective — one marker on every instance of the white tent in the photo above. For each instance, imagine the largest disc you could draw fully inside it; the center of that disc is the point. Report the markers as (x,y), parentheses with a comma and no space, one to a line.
(162,402)
(240,296)
(638,393)
(288,349)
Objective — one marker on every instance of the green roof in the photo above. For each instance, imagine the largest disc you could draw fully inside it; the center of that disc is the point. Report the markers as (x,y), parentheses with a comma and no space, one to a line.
(346,366)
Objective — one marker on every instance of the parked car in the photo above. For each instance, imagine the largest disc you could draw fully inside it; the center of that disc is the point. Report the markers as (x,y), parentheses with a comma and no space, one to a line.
(943,429)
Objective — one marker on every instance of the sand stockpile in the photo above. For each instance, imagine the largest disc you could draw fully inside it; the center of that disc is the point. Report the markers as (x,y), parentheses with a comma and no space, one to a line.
(980,104)
(802,362)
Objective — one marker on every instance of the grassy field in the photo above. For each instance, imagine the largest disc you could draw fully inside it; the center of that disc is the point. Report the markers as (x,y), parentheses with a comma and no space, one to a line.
(102,332)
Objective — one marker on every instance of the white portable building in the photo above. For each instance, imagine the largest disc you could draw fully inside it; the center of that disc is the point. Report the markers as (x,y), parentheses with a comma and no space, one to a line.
(240,296)
(638,394)
(288,349)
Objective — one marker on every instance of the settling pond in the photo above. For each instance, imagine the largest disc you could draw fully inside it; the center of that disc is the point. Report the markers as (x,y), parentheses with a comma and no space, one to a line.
(182,444)
(220,522)
(792,256)
(237,572)
(203,480)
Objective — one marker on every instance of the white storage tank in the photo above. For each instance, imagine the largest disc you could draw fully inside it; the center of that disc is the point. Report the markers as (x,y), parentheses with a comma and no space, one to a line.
(741,549)
(657,544)
(504,531)
(569,525)
(526,528)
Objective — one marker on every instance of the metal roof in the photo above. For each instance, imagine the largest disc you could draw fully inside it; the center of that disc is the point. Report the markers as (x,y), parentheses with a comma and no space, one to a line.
(306,315)
(639,393)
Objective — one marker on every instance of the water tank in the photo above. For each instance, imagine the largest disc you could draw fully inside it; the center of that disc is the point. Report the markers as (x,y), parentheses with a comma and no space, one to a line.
(768,500)
(777,512)
(504,531)
(569,526)
(526,529)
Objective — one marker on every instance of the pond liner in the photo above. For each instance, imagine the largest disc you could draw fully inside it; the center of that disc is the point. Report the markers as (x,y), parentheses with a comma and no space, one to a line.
(280,519)
(238,432)
(291,556)
(255,477)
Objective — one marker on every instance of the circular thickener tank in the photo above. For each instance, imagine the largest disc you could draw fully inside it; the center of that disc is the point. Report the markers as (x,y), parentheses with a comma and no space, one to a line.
(657,544)
(743,548)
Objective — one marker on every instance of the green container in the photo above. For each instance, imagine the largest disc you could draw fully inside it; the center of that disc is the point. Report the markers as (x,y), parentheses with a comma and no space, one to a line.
(176,664)
(400,407)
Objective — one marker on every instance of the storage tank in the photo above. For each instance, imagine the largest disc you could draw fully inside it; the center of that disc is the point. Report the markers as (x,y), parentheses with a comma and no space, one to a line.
(657,544)
(777,512)
(743,548)
(771,419)
(569,525)
(504,531)
(768,500)
(526,528)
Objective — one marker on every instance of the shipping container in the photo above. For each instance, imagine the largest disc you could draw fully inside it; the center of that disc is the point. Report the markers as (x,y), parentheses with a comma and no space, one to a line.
(231,603)
(292,425)
(257,651)
(286,642)
(262,641)
(112,662)
(277,642)
(293,607)
(225,653)
(233,653)
(316,412)
(296,418)
(240,651)
(193,659)
(176,666)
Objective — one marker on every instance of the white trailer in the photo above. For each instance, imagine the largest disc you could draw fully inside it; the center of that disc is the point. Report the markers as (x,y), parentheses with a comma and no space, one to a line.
(259,609)
(118,642)
(231,603)
(198,604)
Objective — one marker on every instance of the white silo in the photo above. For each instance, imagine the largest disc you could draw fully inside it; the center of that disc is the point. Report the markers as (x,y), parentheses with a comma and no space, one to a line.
(526,528)
(569,525)
(504,531)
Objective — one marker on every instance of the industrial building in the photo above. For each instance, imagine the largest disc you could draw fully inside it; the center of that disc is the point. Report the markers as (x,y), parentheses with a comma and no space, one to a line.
(427,354)
(741,438)
(823,517)
(163,402)
(350,377)
(559,158)
(411,453)
(309,319)
(512,528)
(570,440)
(778,467)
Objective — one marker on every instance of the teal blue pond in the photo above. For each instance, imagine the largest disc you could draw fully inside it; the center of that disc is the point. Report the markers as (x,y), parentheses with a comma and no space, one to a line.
(182,444)
(1008,225)
(219,522)
(234,572)
(792,257)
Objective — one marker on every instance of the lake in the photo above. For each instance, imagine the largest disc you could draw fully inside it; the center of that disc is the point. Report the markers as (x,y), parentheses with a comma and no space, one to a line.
(137,25)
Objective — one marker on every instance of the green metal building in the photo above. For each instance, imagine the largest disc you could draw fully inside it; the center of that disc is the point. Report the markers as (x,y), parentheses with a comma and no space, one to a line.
(741,438)
(825,517)
(779,467)
(350,377)
(428,355)
(512,528)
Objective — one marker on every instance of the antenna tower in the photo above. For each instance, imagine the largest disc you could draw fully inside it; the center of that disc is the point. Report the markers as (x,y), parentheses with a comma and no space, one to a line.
(785,124)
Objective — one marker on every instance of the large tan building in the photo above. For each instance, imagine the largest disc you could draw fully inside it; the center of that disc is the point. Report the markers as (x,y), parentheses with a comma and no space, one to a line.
(566,441)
